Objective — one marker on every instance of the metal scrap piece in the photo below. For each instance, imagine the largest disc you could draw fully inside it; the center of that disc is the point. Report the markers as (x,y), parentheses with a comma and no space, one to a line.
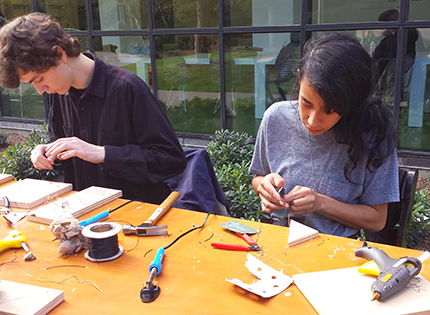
(271,282)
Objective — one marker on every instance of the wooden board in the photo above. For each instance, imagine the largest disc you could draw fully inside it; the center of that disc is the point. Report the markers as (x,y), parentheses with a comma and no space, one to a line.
(76,205)
(24,299)
(4,178)
(346,291)
(29,193)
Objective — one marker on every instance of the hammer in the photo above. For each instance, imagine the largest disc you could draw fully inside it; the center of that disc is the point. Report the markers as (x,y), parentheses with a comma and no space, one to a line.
(147,228)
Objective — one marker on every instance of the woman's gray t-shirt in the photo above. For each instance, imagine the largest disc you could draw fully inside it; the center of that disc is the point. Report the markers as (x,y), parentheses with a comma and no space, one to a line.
(284,146)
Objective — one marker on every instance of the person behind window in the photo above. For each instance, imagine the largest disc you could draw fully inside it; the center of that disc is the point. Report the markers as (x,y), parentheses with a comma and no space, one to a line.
(386,52)
(104,123)
(332,148)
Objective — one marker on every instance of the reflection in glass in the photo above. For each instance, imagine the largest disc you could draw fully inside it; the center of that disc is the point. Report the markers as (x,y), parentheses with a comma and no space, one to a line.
(414,121)
(335,11)
(252,79)
(9,10)
(22,102)
(119,14)
(188,81)
(185,13)
(70,14)
(128,52)
(419,10)
(259,13)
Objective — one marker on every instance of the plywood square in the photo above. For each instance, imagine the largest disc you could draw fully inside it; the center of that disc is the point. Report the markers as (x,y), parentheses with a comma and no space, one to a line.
(24,299)
(76,205)
(29,193)
(4,178)
(346,291)
(299,232)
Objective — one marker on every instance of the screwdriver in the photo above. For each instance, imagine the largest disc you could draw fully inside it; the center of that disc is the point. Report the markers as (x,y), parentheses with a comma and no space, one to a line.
(14,239)
(101,215)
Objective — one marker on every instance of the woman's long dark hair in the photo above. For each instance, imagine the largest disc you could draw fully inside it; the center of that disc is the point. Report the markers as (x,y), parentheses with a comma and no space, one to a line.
(340,71)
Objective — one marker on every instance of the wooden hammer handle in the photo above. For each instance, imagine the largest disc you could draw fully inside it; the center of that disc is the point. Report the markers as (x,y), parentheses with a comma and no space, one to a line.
(162,209)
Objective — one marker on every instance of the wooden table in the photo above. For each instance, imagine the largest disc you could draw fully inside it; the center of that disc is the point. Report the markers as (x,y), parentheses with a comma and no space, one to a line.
(193,276)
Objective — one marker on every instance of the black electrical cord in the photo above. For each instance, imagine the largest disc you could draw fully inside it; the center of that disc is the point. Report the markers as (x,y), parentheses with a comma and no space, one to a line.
(189,231)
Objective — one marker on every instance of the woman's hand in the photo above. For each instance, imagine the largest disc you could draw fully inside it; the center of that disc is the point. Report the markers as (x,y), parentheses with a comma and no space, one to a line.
(266,187)
(303,200)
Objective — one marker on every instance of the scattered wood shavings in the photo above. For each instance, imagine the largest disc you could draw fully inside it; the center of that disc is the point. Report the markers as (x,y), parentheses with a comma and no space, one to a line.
(69,277)
(64,266)
(9,261)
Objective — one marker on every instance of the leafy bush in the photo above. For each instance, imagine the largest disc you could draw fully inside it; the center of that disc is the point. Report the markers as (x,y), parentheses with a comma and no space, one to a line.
(231,155)
(16,159)
(420,221)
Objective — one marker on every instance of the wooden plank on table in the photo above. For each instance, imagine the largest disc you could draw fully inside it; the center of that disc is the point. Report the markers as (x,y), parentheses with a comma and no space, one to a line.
(24,299)
(76,205)
(4,178)
(29,193)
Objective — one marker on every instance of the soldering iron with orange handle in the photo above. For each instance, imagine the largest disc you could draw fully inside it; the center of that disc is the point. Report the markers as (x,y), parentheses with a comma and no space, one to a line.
(394,274)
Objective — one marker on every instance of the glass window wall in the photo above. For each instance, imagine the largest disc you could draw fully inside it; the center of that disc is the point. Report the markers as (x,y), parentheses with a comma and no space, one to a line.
(119,14)
(71,14)
(128,52)
(257,75)
(414,116)
(348,11)
(188,81)
(204,91)
(185,13)
(419,10)
(259,13)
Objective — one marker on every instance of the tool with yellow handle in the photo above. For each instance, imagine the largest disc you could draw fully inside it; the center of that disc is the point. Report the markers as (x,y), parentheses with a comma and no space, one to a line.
(14,239)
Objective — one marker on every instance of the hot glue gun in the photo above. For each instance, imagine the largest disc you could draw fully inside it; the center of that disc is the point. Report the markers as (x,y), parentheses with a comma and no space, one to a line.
(394,274)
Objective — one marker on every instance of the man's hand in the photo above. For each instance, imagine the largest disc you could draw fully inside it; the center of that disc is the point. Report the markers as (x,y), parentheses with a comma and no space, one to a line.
(39,159)
(66,148)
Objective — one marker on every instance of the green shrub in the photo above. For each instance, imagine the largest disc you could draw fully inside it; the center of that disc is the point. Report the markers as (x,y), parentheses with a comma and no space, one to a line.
(420,221)
(231,155)
(16,159)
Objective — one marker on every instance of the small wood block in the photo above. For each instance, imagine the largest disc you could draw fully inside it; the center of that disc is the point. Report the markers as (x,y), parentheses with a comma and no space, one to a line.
(299,233)
(19,299)
(76,204)
(4,178)
(29,193)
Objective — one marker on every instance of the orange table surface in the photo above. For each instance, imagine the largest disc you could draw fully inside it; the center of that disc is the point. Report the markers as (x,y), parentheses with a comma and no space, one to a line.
(192,279)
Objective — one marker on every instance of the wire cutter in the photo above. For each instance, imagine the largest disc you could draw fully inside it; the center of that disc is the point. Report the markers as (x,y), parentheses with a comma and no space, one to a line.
(253,244)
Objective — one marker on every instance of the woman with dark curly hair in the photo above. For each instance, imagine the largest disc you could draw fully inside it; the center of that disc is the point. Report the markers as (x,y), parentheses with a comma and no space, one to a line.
(333,148)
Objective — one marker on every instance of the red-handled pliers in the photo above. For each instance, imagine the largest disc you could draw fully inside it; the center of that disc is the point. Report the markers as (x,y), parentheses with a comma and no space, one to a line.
(246,237)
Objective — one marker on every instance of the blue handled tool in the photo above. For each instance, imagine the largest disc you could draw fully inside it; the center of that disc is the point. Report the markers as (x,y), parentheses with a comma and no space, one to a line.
(101,215)
(151,291)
